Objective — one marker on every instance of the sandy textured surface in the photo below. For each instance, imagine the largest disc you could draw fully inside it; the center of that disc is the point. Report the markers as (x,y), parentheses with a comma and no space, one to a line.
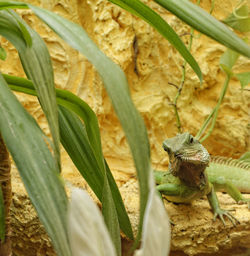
(149,69)
(194,232)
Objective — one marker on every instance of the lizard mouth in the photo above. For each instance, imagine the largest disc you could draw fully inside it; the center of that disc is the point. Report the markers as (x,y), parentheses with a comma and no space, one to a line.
(198,158)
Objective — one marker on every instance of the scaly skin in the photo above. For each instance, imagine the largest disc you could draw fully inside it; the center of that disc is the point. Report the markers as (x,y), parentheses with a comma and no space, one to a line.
(189,176)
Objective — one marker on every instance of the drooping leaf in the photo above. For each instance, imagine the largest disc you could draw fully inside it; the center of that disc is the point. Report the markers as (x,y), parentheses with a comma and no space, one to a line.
(25,33)
(244,79)
(87,231)
(239,19)
(156,228)
(37,65)
(116,85)
(75,141)
(141,10)
(36,165)
(81,142)
(202,21)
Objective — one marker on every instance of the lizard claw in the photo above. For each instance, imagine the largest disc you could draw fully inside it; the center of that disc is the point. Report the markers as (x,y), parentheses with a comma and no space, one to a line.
(221,213)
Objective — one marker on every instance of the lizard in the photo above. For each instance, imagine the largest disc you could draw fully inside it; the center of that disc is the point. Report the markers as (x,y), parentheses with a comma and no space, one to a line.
(193,173)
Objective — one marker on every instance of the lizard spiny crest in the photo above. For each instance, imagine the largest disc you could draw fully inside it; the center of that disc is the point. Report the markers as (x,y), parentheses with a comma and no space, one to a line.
(230,162)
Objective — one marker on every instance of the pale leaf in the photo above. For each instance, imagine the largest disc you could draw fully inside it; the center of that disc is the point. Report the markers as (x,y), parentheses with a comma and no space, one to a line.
(88,234)
(156,227)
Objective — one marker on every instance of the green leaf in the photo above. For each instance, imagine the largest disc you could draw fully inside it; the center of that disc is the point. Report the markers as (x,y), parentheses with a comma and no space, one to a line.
(110,216)
(3,54)
(76,139)
(200,20)
(37,65)
(244,79)
(12,4)
(227,61)
(25,33)
(116,85)
(239,19)
(26,143)
(2,217)
(144,12)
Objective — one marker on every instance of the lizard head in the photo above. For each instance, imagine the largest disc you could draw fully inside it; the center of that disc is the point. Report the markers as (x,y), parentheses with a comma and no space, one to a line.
(188,158)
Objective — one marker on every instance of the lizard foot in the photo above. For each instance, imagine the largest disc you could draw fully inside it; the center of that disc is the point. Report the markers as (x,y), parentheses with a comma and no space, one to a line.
(221,213)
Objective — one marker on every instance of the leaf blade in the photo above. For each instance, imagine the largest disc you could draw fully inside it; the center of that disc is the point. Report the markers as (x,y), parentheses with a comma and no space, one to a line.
(37,65)
(116,85)
(87,231)
(156,235)
(77,143)
(25,141)
(206,24)
(110,215)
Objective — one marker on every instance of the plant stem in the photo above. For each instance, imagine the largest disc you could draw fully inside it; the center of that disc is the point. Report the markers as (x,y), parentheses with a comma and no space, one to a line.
(181,85)
(213,115)
(5,183)
(183,77)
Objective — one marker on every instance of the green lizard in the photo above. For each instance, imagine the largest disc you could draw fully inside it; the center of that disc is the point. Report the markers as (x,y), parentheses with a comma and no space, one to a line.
(193,174)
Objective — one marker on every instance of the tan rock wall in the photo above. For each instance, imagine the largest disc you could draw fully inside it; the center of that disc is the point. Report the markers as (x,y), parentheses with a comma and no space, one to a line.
(149,69)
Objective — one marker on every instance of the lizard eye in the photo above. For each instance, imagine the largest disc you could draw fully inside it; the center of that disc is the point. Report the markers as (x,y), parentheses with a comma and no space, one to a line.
(166,149)
(191,140)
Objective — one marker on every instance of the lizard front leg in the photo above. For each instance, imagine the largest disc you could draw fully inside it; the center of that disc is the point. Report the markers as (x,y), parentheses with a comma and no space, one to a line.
(232,190)
(218,212)
(173,191)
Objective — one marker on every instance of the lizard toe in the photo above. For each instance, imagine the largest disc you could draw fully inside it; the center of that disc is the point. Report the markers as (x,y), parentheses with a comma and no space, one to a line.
(222,213)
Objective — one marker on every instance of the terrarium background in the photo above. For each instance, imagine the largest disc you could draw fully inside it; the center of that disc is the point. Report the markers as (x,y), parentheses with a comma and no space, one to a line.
(158,63)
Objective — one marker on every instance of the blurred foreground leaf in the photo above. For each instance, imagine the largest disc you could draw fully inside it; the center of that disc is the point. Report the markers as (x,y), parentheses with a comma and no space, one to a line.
(36,165)
(87,231)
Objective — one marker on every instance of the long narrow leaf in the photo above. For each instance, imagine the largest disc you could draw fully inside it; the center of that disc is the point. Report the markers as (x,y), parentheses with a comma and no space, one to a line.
(143,11)
(26,143)
(110,216)
(37,65)
(206,24)
(12,4)
(156,228)
(76,139)
(87,231)
(116,85)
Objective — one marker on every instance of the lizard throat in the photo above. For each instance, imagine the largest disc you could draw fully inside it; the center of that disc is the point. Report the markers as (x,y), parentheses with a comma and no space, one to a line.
(191,174)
